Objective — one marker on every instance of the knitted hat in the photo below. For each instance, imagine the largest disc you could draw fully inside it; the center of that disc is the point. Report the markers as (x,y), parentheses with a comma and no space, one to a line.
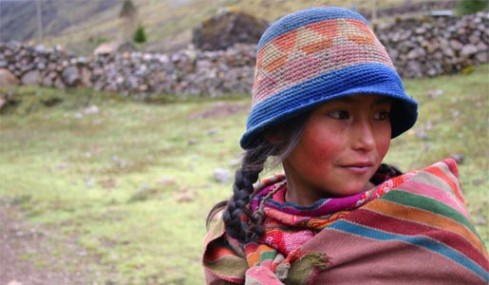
(316,55)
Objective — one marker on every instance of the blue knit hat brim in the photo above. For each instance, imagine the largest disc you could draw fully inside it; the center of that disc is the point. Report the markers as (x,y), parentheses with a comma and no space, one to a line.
(368,79)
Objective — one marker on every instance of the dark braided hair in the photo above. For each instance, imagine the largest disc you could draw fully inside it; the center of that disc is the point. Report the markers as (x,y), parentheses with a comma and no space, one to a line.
(238,204)
(253,163)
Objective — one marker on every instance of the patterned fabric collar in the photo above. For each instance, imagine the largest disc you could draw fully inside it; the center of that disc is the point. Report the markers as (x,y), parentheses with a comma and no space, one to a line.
(271,193)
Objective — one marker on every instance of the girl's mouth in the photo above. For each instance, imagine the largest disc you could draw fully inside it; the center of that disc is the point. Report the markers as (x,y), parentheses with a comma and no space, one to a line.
(358,168)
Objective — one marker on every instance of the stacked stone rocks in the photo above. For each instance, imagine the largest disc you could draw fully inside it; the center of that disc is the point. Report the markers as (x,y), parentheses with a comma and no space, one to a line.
(419,48)
(39,65)
(426,47)
(189,72)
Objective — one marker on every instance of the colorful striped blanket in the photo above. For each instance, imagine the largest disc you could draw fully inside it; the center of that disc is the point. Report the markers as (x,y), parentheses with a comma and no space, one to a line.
(411,229)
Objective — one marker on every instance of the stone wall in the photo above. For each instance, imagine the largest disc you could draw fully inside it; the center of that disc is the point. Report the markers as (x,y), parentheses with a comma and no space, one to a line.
(419,47)
(425,47)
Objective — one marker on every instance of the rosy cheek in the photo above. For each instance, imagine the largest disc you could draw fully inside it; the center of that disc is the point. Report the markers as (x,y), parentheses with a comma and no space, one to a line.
(383,145)
(321,150)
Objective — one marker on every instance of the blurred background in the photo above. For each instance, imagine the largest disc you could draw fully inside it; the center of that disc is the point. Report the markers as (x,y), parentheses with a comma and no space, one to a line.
(82,25)
(120,122)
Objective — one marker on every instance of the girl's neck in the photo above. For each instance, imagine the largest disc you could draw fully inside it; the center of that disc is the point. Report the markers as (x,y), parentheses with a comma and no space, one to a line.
(296,196)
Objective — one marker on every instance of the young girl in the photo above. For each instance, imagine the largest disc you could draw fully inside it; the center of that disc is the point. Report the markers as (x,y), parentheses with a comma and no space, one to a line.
(326,102)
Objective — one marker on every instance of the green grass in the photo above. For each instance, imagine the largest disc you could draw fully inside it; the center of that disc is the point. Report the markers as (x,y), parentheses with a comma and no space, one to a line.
(134,182)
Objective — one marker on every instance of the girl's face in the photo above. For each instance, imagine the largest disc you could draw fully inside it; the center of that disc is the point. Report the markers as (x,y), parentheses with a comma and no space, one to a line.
(343,143)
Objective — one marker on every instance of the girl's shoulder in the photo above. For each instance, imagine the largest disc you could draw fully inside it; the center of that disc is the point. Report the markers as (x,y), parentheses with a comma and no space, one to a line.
(223,258)
(438,182)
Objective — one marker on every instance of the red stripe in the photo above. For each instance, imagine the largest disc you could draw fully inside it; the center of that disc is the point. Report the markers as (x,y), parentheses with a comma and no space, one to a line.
(388,224)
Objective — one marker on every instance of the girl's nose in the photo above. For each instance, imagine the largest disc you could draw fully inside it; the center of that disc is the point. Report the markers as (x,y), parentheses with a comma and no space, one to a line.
(363,135)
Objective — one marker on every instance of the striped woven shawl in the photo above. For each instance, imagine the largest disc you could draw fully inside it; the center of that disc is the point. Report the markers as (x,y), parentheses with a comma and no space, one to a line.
(412,229)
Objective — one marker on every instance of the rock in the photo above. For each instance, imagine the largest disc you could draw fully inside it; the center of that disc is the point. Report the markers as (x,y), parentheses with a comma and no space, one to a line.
(106,48)
(456,45)
(31,78)
(7,78)
(91,110)
(167,181)
(432,94)
(416,53)
(421,134)
(47,81)
(414,69)
(420,30)
(482,46)
(480,220)
(448,51)
(89,182)
(185,196)
(468,50)
(432,46)
(3,101)
(458,157)
(227,29)
(221,175)
(85,77)
(482,57)
(71,76)
(144,193)
(113,47)
(475,38)
(58,83)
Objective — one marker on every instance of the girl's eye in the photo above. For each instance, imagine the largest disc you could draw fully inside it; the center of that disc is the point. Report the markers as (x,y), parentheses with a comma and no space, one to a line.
(339,115)
(382,116)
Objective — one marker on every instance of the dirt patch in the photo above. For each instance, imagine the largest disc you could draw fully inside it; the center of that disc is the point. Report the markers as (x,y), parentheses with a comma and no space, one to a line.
(30,255)
(220,110)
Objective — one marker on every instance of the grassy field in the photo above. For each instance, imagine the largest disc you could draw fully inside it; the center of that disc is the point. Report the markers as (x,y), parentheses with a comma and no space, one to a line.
(133,182)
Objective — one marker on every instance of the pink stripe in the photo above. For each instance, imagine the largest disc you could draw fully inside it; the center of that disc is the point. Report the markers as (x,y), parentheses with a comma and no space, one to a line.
(261,275)
(434,193)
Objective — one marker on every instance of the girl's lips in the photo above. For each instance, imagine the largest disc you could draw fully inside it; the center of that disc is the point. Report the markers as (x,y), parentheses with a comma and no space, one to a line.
(358,168)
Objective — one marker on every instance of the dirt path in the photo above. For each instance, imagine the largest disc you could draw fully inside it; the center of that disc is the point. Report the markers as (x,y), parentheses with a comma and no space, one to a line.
(31,255)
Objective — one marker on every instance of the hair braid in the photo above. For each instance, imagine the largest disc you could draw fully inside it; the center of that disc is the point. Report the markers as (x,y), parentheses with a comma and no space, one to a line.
(254,159)
(249,229)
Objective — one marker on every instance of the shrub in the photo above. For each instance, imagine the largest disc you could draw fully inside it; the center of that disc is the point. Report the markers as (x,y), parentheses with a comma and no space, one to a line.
(465,7)
(140,35)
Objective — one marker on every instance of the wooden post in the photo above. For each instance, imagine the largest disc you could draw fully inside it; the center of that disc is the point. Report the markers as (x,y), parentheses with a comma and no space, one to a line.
(39,20)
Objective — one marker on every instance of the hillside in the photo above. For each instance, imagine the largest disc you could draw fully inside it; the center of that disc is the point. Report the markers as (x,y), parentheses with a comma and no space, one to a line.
(80,25)
(18,19)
